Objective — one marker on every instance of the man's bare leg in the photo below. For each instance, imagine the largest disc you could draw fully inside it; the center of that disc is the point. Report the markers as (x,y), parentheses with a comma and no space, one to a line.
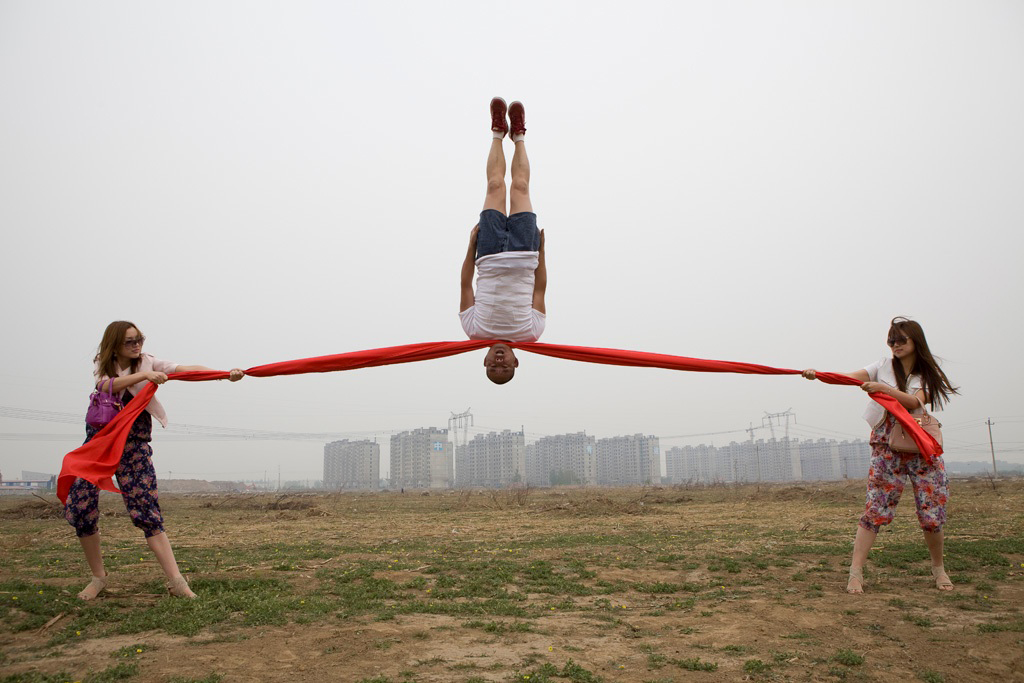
(519,193)
(495,198)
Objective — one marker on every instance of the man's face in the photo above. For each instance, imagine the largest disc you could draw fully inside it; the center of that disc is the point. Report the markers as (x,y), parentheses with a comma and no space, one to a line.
(500,363)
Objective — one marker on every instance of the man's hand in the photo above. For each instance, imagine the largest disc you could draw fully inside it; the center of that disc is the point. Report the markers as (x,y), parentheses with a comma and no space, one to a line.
(472,237)
(542,240)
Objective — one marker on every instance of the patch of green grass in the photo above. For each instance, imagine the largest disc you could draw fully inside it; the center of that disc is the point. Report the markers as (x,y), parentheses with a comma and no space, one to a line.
(130,651)
(494,608)
(669,558)
(737,649)
(575,672)
(1011,626)
(656,588)
(501,626)
(816,549)
(37,677)
(923,622)
(848,658)
(756,666)
(246,601)
(694,664)
(727,563)
(929,676)
(547,672)
(119,672)
(656,661)
(212,678)
(27,606)
(543,577)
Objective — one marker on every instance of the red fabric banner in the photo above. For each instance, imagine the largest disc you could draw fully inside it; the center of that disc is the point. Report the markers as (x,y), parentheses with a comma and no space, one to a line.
(97,460)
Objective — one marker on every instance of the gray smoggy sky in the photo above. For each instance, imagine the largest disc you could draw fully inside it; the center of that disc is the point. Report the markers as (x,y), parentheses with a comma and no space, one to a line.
(259,181)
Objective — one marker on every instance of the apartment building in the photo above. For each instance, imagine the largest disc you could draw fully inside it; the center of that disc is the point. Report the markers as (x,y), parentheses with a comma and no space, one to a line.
(352,465)
(492,460)
(562,459)
(422,458)
(628,460)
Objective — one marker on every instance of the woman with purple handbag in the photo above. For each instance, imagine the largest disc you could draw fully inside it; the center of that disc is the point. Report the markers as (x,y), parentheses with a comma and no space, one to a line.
(121,371)
(913,377)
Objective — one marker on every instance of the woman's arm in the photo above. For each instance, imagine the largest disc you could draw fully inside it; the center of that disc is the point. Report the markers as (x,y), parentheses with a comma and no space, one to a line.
(236,373)
(122,383)
(861,375)
(908,401)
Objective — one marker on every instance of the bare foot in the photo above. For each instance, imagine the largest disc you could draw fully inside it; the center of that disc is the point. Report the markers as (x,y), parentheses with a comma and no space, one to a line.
(178,587)
(942,581)
(95,587)
(856,582)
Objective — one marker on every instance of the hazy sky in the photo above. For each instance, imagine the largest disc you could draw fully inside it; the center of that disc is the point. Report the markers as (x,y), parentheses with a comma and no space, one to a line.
(250,182)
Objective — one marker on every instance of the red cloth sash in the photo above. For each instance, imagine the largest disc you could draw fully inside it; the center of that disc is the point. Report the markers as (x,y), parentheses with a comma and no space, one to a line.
(97,460)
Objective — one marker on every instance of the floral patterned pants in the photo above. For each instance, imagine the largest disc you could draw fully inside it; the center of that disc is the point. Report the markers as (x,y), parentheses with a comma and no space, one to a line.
(135,477)
(885,484)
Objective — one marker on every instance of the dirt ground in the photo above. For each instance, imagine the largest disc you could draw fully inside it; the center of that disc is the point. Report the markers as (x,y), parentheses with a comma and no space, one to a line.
(657,582)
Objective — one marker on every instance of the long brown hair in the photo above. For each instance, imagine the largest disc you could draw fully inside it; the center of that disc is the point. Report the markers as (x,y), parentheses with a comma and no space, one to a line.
(113,338)
(937,387)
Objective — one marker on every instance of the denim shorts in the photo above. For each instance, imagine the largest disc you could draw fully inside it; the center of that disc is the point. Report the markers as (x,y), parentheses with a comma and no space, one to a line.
(499,233)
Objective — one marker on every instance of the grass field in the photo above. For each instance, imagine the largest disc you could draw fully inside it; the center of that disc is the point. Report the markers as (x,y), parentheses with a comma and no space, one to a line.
(650,585)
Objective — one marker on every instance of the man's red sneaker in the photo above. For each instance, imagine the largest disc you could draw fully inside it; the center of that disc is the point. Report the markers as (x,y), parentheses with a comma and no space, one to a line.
(498,110)
(517,116)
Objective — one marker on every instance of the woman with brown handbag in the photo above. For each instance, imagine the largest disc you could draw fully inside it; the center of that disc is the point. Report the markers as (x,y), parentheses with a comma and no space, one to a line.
(914,378)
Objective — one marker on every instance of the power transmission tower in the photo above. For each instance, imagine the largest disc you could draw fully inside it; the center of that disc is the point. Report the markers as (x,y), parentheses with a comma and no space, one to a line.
(750,430)
(463,420)
(788,413)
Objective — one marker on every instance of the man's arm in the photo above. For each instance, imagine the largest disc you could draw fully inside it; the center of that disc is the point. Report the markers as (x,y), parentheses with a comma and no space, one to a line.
(468,266)
(540,279)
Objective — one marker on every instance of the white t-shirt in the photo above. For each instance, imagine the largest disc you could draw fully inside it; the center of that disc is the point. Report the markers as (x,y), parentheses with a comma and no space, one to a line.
(881,371)
(503,306)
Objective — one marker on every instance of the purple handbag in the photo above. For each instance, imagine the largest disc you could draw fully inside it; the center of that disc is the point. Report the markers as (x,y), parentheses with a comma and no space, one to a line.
(103,406)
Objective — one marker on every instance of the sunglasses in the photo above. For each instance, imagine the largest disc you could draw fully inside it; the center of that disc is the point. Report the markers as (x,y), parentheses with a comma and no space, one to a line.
(898,340)
(138,341)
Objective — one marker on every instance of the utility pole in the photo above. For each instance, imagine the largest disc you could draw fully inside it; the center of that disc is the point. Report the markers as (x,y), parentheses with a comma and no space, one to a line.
(757,453)
(992,447)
